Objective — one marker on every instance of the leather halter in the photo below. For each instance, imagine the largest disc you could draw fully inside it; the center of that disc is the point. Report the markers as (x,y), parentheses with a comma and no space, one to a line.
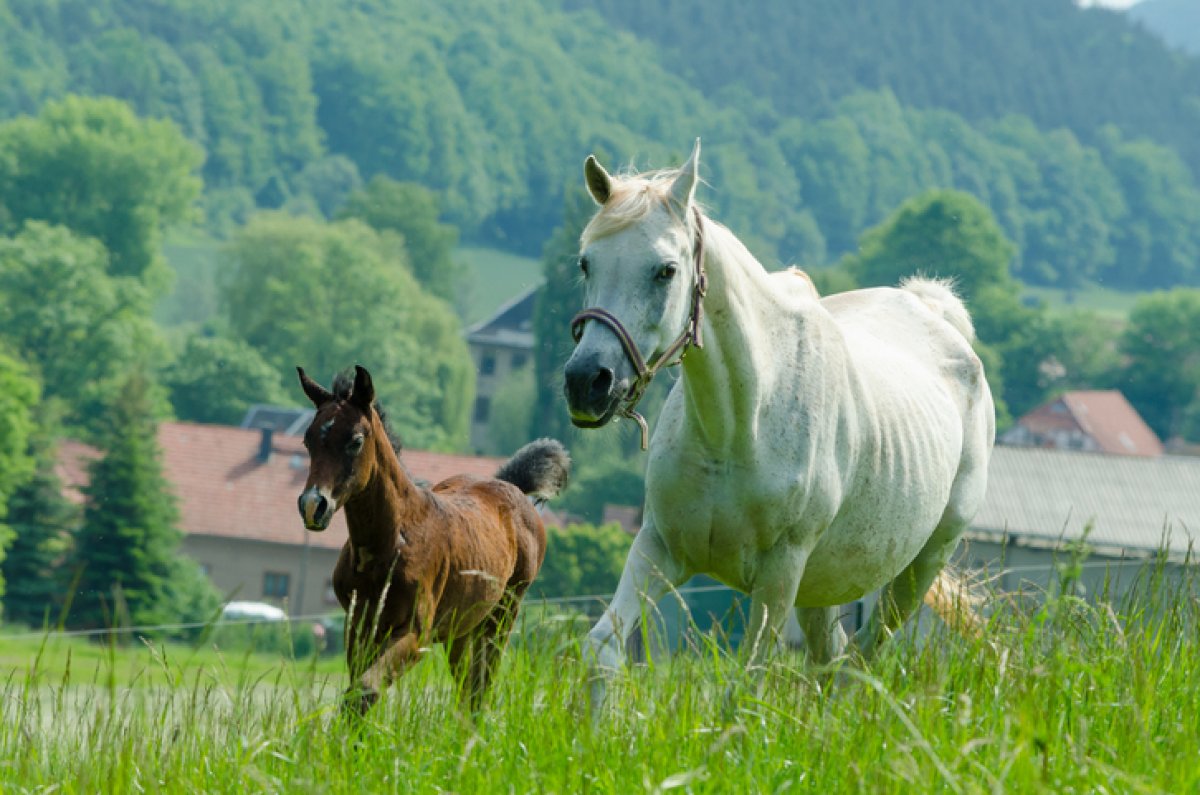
(690,336)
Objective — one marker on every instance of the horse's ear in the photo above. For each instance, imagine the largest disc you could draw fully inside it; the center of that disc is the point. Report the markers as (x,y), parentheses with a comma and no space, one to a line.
(364,391)
(684,186)
(599,183)
(316,393)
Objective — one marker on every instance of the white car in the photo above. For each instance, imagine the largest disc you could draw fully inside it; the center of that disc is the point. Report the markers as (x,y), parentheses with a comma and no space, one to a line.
(259,611)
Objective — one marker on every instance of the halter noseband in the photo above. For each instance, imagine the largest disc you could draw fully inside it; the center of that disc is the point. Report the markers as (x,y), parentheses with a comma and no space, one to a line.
(691,335)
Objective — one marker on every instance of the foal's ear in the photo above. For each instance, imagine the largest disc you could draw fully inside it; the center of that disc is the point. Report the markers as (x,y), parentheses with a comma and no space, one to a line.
(316,393)
(364,391)
(599,183)
(684,186)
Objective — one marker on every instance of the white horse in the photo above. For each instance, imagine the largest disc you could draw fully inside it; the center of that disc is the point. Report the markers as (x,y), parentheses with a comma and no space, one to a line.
(812,451)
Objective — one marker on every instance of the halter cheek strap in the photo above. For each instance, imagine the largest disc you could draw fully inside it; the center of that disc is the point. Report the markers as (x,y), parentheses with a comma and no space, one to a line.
(690,336)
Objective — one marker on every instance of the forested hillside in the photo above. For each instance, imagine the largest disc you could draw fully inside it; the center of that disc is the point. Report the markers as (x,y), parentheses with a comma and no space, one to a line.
(818,117)
(1060,65)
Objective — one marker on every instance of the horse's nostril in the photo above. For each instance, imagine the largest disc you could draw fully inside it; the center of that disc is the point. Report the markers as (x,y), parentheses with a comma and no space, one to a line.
(602,383)
(322,506)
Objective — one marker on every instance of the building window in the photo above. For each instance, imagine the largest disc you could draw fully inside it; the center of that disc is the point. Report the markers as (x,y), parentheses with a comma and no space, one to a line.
(482,407)
(276,584)
(518,361)
(487,364)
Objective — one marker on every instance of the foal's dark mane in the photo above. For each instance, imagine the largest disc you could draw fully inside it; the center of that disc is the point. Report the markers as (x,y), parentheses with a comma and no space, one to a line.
(343,385)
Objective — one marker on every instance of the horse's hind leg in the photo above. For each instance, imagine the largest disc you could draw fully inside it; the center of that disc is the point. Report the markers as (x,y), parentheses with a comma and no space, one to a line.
(901,596)
(482,648)
(823,633)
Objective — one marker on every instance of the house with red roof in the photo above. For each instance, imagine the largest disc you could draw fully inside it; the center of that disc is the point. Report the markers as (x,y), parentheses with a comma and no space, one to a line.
(1094,421)
(237,491)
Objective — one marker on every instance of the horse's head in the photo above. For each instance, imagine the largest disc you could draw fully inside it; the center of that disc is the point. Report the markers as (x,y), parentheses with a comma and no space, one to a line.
(340,444)
(641,258)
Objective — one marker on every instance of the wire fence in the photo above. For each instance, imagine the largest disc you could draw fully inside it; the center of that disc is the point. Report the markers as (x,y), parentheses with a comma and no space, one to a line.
(598,599)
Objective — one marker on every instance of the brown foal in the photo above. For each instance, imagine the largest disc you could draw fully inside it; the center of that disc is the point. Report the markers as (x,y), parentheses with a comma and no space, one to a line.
(447,564)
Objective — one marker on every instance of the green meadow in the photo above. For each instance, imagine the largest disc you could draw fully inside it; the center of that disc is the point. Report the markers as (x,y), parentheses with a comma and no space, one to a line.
(1059,695)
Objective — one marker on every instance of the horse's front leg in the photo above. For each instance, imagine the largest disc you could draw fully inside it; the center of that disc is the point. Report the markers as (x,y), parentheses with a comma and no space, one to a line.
(649,573)
(776,581)
(395,657)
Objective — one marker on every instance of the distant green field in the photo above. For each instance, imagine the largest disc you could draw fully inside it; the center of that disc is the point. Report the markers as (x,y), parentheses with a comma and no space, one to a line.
(495,277)
(1094,297)
(193,295)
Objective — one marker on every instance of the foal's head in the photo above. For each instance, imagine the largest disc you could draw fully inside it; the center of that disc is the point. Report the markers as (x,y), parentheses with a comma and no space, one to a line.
(343,445)
(638,258)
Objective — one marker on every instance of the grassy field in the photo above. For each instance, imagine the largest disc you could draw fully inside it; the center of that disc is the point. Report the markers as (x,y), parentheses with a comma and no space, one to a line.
(1065,697)
(1105,301)
(493,277)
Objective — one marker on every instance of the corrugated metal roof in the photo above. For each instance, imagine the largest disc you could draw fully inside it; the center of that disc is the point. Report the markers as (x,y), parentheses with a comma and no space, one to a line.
(1046,496)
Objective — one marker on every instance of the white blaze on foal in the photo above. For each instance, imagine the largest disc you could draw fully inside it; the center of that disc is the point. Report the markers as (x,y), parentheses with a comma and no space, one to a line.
(812,451)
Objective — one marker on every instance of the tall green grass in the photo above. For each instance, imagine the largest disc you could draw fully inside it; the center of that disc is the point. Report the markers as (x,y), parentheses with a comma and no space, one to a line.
(1059,696)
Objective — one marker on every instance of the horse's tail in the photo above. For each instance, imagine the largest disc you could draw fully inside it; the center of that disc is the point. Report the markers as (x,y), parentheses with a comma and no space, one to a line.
(956,602)
(938,295)
(541,469)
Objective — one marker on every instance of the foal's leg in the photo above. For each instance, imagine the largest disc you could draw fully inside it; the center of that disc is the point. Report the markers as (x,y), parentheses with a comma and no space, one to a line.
(823,633)
(650,572)
(395,659)
(901,596)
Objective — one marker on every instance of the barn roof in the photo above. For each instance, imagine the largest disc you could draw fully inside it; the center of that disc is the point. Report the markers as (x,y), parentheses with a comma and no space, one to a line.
(1045,497)
(511,325)
(225,488)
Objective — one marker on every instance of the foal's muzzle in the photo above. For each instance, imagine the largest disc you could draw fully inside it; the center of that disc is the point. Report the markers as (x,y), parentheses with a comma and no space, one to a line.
(316,509)
(594,392)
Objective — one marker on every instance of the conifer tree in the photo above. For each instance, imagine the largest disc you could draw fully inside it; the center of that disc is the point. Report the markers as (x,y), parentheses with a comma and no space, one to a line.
(126,552)
(42,520)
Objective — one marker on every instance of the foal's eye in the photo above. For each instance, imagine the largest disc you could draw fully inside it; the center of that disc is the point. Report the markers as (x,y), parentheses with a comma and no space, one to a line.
(355,445)
(666,272)
(583,265)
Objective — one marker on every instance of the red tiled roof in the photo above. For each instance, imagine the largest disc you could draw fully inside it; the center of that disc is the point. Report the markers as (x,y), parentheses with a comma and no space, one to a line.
(224,490)
(1104,415)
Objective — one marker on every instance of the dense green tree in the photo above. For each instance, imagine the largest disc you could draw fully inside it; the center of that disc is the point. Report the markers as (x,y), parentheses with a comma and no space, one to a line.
(582,560)
(941,233)
(18,396)
(1161,346)
(326,296)
(42,521)
(79,328)
(560,297)
(509,416)
(596,484)
(412,211)
(216,379)
(126,557)
(93,166)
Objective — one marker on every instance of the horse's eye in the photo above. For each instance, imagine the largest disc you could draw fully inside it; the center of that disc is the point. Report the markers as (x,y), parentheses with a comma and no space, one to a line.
(583,265)
(356,445)
(666,272)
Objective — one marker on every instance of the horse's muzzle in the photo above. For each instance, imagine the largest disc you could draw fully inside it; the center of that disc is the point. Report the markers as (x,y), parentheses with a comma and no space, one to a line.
(593,392)
(316,509)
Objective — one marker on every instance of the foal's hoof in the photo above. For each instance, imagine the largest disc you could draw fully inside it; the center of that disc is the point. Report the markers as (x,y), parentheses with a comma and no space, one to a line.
(357,702)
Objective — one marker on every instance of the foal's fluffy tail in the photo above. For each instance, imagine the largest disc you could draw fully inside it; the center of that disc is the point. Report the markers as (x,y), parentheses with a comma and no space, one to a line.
(956,603)
(540,469)
(938,295)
